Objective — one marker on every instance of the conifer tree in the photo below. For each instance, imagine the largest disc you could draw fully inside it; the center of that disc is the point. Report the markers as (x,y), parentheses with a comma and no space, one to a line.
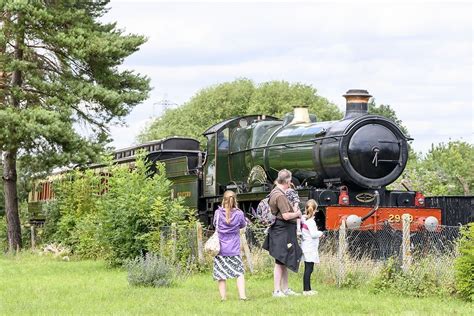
(59,69)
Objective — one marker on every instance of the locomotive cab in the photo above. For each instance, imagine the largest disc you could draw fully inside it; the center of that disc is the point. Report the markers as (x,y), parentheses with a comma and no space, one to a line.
(227,139)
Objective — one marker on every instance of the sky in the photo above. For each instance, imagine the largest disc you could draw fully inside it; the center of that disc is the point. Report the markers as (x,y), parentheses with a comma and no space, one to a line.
(415,56)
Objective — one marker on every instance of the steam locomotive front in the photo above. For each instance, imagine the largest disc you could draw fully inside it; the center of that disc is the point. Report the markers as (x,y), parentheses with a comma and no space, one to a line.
(364,150)
(371,151)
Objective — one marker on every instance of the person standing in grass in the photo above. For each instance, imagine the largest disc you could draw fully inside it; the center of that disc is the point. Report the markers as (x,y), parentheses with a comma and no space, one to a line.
(229,219)
(310,244)
(281,241)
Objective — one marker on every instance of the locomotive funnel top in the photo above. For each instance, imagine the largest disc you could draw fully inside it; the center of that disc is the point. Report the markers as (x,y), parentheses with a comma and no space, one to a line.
(356,103)
(357,93)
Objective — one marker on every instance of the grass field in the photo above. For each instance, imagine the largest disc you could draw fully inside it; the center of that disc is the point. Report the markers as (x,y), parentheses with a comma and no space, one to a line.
(42,285)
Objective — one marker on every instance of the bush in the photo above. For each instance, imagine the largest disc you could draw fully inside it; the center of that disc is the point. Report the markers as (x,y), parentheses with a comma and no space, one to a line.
(135,209)
(464,264)
(432,275)
(117,217)
(3,234)
(150,270)
(386,278)
(73,218)
(52,218)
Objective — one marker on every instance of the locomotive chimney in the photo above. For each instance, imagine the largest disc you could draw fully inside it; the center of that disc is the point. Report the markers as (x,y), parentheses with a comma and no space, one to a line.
(301,114)
(356,103)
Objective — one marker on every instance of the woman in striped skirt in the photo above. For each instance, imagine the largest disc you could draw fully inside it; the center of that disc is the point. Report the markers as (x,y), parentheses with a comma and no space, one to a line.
(228,263)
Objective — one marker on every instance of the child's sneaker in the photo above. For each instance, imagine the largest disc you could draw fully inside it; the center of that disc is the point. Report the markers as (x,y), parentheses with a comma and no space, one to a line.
(290,292)
(309,293)
(278,294)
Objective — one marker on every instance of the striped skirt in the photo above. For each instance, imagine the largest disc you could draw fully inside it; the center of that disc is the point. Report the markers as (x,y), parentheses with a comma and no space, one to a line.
(227,267)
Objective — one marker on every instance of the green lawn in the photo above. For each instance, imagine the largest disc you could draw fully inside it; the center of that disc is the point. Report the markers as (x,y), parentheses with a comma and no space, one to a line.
(40,285)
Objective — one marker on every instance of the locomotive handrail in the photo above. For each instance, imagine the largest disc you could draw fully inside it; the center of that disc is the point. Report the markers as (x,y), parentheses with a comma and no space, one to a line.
(314,140)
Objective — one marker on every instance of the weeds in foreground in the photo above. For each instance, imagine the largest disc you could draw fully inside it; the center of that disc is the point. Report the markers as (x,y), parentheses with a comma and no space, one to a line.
(150,270)
(429,276)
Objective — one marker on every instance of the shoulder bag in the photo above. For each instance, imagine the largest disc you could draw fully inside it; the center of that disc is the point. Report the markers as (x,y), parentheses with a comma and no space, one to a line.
(212,245)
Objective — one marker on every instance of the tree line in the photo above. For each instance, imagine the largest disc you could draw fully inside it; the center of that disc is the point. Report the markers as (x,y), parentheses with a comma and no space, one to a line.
(446,169)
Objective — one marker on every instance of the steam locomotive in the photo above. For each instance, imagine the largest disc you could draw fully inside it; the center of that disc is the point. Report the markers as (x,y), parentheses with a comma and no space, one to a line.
(344,165)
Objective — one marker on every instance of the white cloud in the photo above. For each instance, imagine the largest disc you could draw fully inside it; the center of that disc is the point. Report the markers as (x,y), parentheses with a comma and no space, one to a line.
(416,57)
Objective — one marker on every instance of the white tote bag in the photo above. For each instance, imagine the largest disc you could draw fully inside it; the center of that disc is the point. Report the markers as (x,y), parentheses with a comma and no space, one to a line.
(212,245)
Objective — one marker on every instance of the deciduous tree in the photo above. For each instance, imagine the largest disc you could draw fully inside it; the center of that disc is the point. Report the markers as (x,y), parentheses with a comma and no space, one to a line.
(59,69)
(388,112)
(239,97)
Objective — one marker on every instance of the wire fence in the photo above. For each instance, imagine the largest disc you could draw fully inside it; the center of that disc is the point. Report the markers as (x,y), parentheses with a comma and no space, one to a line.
(382,242)
(345,254)
(375,242)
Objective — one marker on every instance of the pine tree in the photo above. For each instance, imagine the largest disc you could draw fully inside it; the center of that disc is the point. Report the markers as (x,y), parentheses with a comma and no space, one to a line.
(59,69)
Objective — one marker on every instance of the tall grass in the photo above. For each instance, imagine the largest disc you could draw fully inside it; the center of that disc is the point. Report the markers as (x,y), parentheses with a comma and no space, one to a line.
(42,285)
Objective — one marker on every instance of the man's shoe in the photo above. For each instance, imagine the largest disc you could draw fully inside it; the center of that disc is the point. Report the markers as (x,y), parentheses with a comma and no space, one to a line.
(290,292)
(309,293)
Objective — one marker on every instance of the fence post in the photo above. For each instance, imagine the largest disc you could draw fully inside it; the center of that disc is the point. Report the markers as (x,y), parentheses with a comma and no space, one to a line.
(245,244)
(33,237)
(406,251)
(341,252)
(200,251)
(162,242)
(173,240)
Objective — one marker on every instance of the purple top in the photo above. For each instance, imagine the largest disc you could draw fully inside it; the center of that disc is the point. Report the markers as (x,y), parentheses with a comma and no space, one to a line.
(229,236)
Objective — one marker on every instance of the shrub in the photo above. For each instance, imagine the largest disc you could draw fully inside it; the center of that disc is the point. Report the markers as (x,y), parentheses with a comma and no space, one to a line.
(417,282)
(464,264)
(52,218)
(427,276)
(73,218)
(150,270)
(3,234)
(119,217)
(135,209)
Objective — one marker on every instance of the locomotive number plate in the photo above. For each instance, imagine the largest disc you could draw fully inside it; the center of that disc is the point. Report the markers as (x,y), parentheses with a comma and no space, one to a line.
(396,218)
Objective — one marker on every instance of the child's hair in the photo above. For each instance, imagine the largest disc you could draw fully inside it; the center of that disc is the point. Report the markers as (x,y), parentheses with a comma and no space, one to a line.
(311,208)
(229,202)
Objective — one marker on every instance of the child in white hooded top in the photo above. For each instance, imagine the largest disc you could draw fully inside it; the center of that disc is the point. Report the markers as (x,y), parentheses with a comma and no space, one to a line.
(309,244)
